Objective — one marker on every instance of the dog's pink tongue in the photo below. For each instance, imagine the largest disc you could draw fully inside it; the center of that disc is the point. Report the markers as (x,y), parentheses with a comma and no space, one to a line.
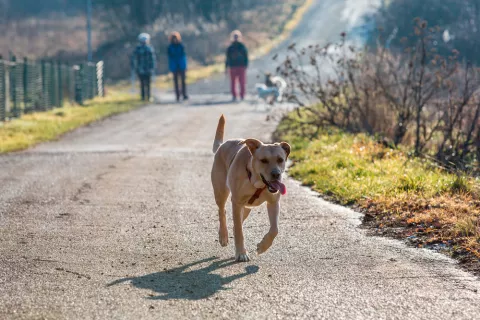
(280,187)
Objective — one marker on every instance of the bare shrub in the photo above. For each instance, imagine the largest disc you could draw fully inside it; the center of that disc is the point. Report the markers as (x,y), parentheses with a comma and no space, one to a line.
(416,98)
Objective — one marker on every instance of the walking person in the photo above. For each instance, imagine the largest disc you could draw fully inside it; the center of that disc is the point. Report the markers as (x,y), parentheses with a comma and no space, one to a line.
(237,63)
(143,62)
(177,63)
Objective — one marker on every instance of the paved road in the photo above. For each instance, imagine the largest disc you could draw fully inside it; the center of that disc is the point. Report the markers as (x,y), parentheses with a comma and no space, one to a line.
(117,221)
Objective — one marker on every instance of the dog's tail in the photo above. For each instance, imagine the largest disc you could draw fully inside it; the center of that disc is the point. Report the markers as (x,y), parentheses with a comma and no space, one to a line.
(219,134)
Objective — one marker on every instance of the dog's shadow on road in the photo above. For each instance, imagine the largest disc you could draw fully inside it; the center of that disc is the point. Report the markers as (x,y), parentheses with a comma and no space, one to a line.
(184,284)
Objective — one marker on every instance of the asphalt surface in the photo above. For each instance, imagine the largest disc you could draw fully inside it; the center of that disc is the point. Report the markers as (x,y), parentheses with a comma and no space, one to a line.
(117,220)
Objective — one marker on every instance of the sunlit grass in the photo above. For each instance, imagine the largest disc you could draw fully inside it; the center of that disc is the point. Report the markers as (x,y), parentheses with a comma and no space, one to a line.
(37,127)
(355,167)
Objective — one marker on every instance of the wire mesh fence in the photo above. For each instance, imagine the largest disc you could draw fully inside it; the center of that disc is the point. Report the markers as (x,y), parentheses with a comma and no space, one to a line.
(28,86)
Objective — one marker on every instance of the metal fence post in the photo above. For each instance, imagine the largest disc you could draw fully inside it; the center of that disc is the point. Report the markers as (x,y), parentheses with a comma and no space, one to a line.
(88,77)
(79,84)
(91,76)
(86,81)
(13,88)
(51,85)
(25,85)
(3,98)
(93,79)
(100,78)
(67,82)
(60,85)
(44,86)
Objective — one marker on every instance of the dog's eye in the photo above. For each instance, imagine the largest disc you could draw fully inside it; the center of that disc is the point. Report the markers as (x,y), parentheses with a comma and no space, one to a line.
(264,161)
(280,160)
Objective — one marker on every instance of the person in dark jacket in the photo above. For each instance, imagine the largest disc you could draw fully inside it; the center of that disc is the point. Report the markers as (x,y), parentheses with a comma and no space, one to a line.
(143,62)
(237,63)
(177,63)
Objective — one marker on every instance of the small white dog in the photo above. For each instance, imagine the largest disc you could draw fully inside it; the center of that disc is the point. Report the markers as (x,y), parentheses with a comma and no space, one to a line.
(272,90)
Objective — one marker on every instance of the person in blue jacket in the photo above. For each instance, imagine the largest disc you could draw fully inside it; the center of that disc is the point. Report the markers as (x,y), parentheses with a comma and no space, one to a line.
(177,63)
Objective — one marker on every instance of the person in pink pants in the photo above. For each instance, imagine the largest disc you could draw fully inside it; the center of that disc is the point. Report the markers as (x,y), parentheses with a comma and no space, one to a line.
(237,63)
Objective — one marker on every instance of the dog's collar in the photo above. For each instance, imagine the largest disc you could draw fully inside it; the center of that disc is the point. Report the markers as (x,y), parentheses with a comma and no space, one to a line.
(258,192)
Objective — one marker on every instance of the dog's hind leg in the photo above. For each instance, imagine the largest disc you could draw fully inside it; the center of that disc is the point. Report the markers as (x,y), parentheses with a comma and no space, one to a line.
(221,197)
(221,192)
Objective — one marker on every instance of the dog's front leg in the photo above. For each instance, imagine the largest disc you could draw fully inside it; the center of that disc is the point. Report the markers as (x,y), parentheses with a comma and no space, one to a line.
(241,254)
(273,213)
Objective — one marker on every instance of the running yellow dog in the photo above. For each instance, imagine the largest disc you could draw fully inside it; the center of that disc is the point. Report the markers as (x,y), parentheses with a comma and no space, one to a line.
(252,172)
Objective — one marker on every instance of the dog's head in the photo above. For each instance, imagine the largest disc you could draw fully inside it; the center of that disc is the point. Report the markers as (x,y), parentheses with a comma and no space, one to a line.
(268,161)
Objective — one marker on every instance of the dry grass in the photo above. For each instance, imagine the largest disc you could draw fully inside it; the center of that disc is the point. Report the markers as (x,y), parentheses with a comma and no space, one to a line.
(450,219)
(432,207)
(37,127)
(48,36)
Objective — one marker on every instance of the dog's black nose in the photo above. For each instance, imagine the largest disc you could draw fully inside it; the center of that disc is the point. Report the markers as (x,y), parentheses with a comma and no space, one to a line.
(276,175)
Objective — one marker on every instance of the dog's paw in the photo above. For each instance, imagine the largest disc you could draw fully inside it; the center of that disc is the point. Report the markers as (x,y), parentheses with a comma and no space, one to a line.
(223,239)
(262,247)
(265,244)
(242,257)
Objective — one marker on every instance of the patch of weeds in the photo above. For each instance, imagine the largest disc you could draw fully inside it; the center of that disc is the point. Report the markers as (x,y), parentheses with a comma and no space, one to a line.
(461,184)
(410,183)
(467,227)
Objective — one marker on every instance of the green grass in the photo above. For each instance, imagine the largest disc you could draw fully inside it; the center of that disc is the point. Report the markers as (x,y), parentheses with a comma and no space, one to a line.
(37,127)
(354,167)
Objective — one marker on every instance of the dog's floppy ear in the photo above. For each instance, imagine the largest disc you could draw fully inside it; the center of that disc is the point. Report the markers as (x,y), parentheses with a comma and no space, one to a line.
(252,144)
(286,147)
